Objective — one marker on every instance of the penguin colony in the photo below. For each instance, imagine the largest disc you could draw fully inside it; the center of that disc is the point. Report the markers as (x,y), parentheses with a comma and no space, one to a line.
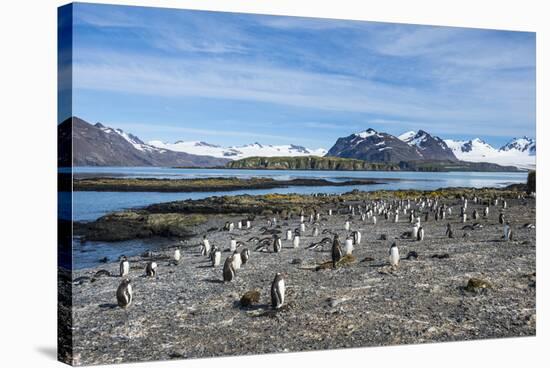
(304,230)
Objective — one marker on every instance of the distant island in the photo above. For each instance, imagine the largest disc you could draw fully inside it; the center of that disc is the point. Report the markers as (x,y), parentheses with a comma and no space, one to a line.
(349,164)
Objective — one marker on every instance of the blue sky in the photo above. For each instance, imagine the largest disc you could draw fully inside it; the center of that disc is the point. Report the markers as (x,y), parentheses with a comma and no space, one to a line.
(230,79)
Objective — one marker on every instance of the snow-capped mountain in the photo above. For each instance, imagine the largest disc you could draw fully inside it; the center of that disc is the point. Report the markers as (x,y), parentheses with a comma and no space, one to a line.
(431,147)
(374,146)
(238,152)
(519,152)
(98,145)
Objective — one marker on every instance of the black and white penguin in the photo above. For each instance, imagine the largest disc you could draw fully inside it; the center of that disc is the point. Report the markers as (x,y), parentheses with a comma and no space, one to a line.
(501,219)
(475,215)
(296,241)
(507,232)
(124,294)
(237,260)
(245,255)
(486,211)
(449,231)
(347,225)
(151,268)
(228,270)
(277,244)
(216,257)
(394,255)
(177,255)
(278,291)
(348,246)
(420,235)
(356,237)
(124,266)
(336,250)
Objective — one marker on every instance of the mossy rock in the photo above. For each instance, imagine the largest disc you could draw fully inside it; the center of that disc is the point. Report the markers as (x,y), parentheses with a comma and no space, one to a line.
(346,260)
(475,284)
(250,298)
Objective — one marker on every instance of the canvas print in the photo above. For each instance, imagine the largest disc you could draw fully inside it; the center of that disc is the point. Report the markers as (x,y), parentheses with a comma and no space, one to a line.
(235,184)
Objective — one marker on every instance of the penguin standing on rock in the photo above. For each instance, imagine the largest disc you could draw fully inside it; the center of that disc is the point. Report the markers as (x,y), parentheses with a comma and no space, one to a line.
(151,269)
(245,255)
(228,270)
(124,266)
(336,251)
(124,294)
(278,291)
(507,232)
(420,235)
(394,255)
(277,244)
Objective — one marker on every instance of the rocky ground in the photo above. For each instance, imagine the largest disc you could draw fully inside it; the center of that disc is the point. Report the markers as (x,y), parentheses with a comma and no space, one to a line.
(186,311)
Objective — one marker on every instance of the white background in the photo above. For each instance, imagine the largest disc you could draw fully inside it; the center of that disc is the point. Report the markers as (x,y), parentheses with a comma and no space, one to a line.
(28,179)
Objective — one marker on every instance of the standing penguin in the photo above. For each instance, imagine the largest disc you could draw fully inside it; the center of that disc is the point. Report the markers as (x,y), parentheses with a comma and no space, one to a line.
(124,266)
(356,237)
(205,246)
(449,231)
(216,257)
(507,231)
(151,269)
(302,228)
(315,231)
(394,255)
(277,244)
(296,241)
(464,218)
(289,234)
(245,255)
(396,217)
(228,270)
(486,211)
(124,294)
(475,215)
(237,260)
(347,226)
(501,218)
(278,291)
(336,251)
(348,246)
(414,232)
(420,235)
(177,255)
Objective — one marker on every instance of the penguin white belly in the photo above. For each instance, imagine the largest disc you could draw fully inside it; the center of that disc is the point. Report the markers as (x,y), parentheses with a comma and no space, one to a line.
(394,257)
(296,241)
(233,245)
(348,247)
(237,261)
(125,268)
(281,289)
(288,235)
(217,258)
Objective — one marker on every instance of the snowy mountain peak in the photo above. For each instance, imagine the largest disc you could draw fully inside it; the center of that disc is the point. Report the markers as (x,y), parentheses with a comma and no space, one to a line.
(523,144)
(238,152)
(407,136)
(367,133)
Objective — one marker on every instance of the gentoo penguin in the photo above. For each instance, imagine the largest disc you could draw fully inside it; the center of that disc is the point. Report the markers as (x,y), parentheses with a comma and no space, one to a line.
(177,255)
(374,220)
(296,241)
(232,245)
(239,225)
(245,255)
(414,232)
(289,234)
(347,226)
(277,245)
(420,235)
(124,266)
(248,224)
(302,228)
(464,218)
(501,218)
(231,226)
(228,270)
(124,294)
(507,232)
(216,257)
(336,251)
(449,231)
(504,204)
(356,237)
(278,291)
(237,260)
(348,246)
(475,215)
(151,268)
(394,255)
(205,246)
(330,212)
(396,217)
(486,211)
(315,231)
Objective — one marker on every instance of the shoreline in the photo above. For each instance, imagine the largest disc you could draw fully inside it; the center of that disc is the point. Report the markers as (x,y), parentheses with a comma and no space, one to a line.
(107,184)
(187,311)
